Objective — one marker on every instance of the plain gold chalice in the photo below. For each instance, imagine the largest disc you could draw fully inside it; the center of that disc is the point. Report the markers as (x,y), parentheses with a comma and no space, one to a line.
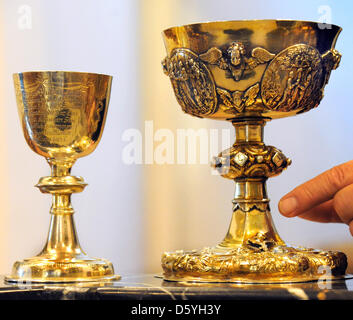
(62,116)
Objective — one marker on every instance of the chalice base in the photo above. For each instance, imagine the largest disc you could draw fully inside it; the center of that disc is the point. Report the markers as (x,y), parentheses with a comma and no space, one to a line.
(46,269)
(255,263)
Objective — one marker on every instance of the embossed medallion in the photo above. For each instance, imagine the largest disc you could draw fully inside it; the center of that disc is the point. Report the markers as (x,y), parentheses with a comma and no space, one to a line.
(192,82)
(292,80)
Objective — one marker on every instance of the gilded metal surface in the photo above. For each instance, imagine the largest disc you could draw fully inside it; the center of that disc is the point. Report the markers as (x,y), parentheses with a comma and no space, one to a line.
(63,116)
(250,160)
(252,264)
(192,82)
(265,68)
(249,72)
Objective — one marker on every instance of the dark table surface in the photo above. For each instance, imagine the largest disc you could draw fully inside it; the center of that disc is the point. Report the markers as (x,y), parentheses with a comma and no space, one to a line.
(150,287)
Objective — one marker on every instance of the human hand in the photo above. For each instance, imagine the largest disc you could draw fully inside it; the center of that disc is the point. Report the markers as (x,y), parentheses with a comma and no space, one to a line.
(325,198)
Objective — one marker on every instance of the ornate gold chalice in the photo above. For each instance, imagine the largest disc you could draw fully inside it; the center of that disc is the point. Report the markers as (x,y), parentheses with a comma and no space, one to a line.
(248,73)
(63,116)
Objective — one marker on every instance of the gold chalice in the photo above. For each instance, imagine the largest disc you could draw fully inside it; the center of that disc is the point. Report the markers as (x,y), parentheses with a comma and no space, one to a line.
(63,116)
(248,73)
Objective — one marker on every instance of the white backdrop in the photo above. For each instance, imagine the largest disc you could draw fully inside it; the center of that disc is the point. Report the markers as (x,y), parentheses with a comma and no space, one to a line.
(130,214)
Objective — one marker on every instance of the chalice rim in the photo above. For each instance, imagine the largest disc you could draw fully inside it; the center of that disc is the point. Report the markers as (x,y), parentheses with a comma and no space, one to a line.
(215,22)
(62,71)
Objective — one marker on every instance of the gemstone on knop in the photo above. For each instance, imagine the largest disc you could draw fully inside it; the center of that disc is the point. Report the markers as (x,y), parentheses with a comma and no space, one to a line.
(240,158)
(278,159)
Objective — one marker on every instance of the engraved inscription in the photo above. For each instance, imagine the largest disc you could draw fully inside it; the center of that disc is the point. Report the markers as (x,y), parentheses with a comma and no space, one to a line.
(53,111)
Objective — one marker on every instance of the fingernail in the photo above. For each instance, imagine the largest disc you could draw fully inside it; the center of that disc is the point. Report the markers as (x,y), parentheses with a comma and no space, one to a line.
(287,206)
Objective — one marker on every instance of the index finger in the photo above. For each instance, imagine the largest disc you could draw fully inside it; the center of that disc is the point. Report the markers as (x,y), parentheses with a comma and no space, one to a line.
(317,190)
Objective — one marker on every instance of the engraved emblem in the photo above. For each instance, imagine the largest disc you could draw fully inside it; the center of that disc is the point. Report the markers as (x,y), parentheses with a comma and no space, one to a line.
(192,82)
(63,119)
(293,79)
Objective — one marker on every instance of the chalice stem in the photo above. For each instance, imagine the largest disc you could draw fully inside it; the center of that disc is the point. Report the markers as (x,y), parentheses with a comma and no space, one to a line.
(251,217)
(62,234)
(62,238)
(253,163)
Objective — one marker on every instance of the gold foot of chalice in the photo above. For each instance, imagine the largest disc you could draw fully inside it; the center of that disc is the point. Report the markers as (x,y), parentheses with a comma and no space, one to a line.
(248,73)
(63,116)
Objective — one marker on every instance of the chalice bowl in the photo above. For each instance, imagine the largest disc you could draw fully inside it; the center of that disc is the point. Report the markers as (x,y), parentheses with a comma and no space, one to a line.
(248,73)
(63,116)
